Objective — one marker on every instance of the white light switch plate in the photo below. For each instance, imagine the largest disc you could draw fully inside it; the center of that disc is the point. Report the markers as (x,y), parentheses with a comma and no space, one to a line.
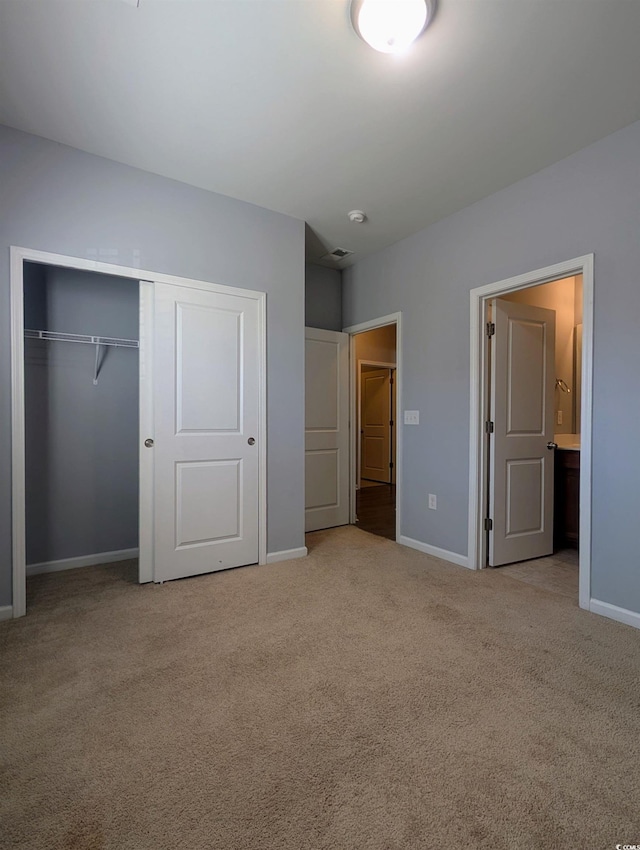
(412,417)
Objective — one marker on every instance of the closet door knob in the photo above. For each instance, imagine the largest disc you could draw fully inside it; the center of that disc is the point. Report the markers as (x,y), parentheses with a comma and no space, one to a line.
(148,443)
(251,441)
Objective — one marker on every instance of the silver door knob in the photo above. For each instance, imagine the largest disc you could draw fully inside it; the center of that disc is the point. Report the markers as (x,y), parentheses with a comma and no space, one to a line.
(251,441)
(148,443)
(551,445)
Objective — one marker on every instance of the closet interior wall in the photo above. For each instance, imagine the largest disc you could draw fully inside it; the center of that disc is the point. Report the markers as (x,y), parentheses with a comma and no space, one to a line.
(81,439)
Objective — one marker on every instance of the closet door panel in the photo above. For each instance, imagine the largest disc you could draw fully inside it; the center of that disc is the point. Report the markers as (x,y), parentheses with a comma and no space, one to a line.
(206,405)
(208,400)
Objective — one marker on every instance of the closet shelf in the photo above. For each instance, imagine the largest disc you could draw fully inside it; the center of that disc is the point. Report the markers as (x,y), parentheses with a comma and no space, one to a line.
(54,336)
(114,342)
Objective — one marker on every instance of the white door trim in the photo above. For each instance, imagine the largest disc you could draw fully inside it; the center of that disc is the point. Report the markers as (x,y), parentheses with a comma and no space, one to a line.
(477,442)
(146,429)
(146,278)
(352,330)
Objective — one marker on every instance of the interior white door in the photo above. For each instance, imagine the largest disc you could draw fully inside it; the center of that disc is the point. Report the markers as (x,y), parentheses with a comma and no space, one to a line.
(206,417)
(521,466)
(375,424)
(326,429)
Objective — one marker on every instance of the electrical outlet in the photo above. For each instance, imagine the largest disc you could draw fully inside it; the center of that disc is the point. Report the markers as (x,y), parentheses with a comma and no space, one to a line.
(433,502)
(559,417)
(412,417)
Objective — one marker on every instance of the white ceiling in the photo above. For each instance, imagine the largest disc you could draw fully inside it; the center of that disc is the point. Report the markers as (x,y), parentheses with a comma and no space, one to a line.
(278,103)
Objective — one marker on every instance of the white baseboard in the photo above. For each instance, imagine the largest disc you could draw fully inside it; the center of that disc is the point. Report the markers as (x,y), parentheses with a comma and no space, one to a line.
(443,554)
(622,615)
(81,561)
(6,612)
(286,555)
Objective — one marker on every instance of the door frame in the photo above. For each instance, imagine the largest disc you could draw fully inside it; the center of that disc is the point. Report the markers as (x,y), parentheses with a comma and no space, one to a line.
(381,365)
(478,443)
(353,330)
(146,280)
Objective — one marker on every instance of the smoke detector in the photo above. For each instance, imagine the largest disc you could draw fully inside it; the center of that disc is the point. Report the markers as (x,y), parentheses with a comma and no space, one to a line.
(357,216)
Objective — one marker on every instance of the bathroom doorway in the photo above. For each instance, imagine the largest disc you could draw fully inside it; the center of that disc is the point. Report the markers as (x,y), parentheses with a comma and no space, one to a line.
(529,490)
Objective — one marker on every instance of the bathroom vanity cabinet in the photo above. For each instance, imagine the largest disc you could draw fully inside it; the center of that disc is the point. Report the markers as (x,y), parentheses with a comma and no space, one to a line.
(567,499)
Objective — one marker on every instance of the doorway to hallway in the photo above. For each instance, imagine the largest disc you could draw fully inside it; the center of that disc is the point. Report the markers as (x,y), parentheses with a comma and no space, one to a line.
(352,477)
(376,509)
(374,353)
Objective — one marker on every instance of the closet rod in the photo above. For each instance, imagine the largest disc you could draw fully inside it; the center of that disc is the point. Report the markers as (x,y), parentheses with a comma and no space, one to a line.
(54,336)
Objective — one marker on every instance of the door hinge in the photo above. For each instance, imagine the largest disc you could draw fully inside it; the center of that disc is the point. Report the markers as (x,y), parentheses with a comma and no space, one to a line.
(391,423)
(488,426)
(488,524)
(391,465)
(491,328)
(390,380)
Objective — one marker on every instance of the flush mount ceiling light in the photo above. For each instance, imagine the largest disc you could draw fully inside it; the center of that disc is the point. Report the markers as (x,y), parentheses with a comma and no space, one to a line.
(391,26)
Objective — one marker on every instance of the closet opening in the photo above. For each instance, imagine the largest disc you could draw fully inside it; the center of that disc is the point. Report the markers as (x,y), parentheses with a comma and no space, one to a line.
(117,474)
(81,429)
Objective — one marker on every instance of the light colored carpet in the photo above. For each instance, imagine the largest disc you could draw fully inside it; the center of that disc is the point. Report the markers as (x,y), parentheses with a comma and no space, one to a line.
(368,696)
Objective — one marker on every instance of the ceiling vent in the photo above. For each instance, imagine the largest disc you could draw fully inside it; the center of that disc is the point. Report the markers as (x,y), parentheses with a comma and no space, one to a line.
(337,254)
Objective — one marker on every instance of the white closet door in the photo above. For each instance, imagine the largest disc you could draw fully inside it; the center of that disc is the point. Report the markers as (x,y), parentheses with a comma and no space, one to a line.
(326,429)
(206,411)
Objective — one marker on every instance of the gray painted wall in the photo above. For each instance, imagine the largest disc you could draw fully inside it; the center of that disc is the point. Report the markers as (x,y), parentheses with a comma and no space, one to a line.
(589,202)
(58,199)
(81,439)
(323,298)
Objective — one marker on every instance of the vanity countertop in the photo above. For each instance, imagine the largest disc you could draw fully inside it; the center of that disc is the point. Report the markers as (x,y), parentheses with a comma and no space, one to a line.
(568,442)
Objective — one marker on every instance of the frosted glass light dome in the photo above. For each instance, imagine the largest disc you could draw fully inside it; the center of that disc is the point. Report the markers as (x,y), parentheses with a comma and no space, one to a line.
(391,26)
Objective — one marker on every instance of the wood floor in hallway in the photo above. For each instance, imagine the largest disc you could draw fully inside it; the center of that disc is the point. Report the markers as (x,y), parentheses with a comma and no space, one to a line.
(376,510)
